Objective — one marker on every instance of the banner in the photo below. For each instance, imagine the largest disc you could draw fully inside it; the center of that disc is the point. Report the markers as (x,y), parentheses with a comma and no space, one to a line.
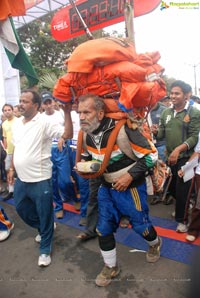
(97,14)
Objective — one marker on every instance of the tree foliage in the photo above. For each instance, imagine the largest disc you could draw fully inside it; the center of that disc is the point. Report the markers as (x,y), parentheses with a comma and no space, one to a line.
(46,54)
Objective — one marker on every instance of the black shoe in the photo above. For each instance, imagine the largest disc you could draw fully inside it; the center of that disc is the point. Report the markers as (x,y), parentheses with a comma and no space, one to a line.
(155,200)
(3,190)
(168,200)
(8,196)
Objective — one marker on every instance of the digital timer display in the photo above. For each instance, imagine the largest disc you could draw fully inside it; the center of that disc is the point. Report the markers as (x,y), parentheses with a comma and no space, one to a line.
(97,12)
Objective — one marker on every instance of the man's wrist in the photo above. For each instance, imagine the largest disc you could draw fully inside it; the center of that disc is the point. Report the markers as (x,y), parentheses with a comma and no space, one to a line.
(64,138)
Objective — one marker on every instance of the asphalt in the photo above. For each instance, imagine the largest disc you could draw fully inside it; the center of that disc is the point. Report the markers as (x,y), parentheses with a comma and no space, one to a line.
(75,265)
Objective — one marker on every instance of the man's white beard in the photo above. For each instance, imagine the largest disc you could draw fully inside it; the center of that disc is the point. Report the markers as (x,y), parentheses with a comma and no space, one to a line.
(91,126)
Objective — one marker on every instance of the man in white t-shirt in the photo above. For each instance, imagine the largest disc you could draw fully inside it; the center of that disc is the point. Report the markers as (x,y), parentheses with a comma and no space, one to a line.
(32,139)
(63,187)
(82,183)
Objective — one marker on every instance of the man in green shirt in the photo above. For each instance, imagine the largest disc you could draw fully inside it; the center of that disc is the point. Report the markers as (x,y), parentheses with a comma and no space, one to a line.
(179,125)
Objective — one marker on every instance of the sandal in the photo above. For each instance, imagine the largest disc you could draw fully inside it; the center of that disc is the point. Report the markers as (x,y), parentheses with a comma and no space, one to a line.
(85,236)
(124,222)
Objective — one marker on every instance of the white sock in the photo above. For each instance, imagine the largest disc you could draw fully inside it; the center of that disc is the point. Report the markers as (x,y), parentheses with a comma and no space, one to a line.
(109,257)
(11,188)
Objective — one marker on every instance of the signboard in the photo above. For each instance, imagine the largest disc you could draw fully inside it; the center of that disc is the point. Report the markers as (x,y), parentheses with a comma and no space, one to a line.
(97,14)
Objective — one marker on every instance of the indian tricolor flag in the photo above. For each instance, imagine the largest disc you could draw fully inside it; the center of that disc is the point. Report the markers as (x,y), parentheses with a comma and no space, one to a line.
(11,42)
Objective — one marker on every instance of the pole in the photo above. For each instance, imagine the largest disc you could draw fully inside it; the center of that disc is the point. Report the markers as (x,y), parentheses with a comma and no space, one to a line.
(87,31)
(195,77)
(129,21)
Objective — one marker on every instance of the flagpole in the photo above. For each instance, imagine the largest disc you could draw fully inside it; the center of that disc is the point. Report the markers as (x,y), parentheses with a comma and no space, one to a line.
(87,31)
(2,81)
(129,21)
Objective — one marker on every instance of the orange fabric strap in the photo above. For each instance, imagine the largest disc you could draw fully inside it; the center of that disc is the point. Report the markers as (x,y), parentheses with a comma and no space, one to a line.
(110,145)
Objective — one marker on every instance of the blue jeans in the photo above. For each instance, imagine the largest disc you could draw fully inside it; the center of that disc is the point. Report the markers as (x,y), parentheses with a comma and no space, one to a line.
(34,204)
(82,184)
(162,152)
(63,187)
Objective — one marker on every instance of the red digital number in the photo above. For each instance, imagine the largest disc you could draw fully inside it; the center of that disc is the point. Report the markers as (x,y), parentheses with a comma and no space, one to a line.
(121,7)
(114,7)
(93,19)
(103,8)
(85,16)
(75,22)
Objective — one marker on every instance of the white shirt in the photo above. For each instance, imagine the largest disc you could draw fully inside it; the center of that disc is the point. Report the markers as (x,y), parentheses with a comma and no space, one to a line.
(197,149)
(56,118)
(32,152)
(76,128)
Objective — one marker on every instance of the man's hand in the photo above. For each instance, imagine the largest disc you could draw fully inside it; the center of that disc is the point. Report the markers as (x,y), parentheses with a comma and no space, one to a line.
(10,177)
(121,183)
(180,173)
(67,107)
(172,160)
(154,129)
(173,157)
(61,143)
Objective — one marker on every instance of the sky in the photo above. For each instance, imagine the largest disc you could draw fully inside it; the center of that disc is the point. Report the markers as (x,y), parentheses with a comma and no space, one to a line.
(175,33)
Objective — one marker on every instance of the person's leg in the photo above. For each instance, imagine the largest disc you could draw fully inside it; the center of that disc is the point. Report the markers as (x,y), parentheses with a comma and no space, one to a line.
(24,205)
(6,225)
(41,192)
(133,203)
(172,186)
(58,203)
(92,208)
(65,183)
(182,192)
(162,152)
(5,222)
(9,186)
(194,227)
(84,195)
(108,222)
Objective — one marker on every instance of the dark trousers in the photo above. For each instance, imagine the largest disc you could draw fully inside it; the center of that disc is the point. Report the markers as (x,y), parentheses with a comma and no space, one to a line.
(194,227)
(92,208)
(180,191)
(34,204)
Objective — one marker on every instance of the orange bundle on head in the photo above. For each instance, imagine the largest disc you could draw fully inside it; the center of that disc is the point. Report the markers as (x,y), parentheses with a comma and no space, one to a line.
(110,67)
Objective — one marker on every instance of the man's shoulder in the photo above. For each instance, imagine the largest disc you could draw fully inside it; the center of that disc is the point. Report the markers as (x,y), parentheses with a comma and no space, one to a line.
(193,111)
(167,111)
(55,118)
(5,123)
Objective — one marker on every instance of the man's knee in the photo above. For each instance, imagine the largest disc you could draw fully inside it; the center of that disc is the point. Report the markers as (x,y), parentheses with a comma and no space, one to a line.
(107,243)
